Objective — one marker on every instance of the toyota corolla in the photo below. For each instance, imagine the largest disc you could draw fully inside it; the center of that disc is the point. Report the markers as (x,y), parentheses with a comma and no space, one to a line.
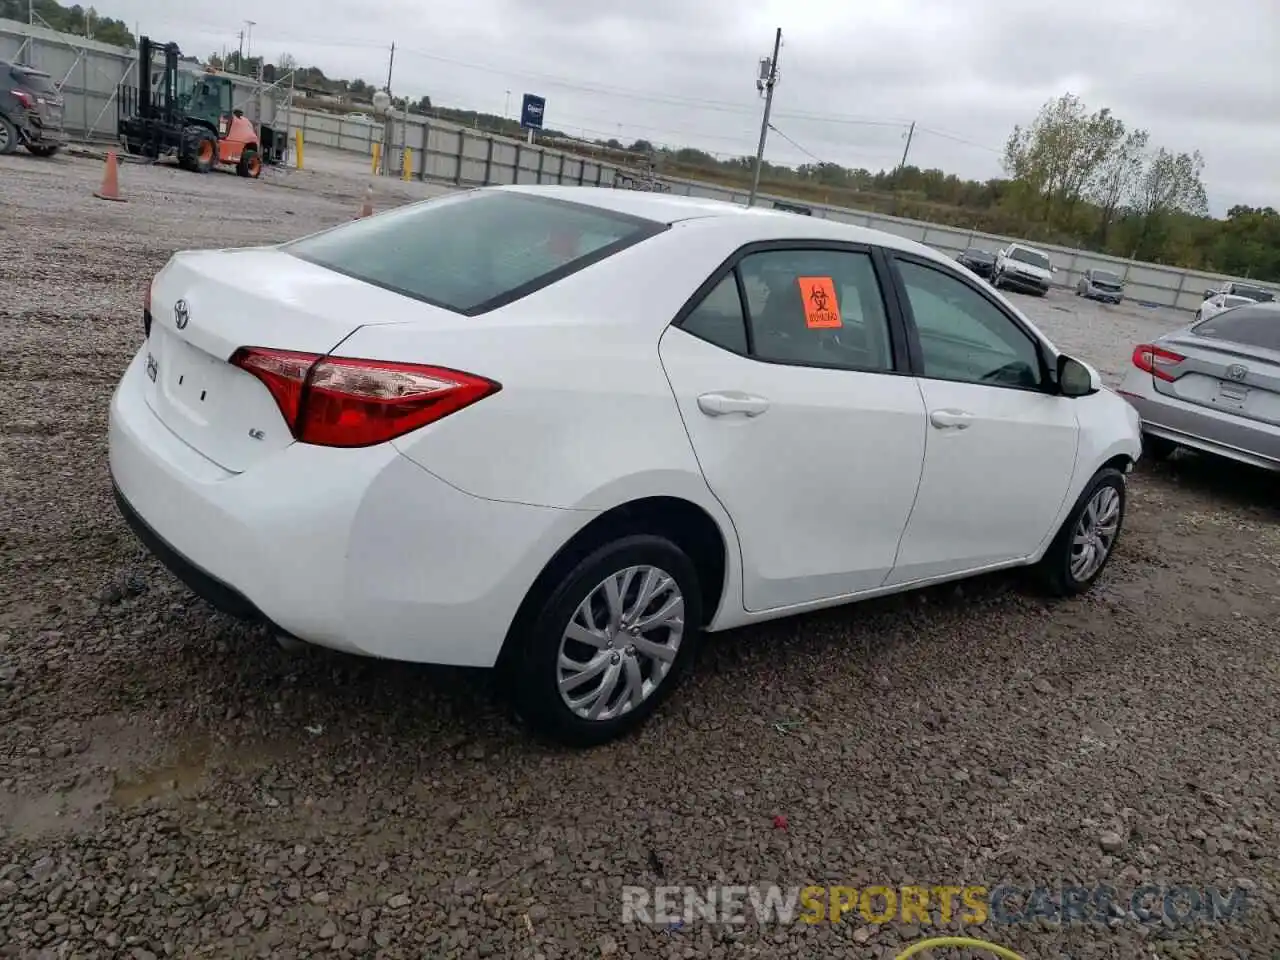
(565,431)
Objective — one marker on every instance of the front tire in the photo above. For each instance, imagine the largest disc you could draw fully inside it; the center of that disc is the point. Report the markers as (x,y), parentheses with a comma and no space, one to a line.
(608,643)
(1088,538)
(250,164)
(199,149)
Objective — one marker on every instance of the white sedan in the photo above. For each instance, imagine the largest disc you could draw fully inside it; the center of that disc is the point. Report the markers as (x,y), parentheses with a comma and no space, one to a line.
(564,431)
(1221,303)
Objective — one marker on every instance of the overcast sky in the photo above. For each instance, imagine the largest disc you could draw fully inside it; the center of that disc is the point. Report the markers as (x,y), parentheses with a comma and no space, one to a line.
(854,73)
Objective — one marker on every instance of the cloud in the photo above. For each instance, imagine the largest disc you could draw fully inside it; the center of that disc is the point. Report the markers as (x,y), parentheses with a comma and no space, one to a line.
(853,75)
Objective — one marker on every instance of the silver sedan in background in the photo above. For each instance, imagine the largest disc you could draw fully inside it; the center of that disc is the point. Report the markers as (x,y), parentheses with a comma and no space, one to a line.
(1213,386)
(1101,285)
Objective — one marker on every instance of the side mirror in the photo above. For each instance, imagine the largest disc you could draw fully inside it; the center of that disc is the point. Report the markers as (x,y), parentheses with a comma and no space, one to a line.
(1077,379)
(1209,293)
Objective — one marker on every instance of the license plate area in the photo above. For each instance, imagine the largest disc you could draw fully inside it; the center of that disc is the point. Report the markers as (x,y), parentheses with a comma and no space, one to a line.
(190,379)
(1233,396)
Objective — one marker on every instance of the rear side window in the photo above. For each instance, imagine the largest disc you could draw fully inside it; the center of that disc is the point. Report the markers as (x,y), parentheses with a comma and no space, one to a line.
(477,251)
(35,81)
(1254,326)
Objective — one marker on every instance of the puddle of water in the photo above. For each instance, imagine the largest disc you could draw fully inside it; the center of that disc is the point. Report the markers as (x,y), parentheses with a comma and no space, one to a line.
(182,776)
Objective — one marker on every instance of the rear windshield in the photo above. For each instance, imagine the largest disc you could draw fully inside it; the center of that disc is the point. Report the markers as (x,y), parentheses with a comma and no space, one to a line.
(1251,326)
(1032,257)
(39,82)
(1256,294)
(474,251)
(975,254)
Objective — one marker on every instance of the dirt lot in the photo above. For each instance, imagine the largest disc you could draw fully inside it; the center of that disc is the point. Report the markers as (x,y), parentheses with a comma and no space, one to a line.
(172,784)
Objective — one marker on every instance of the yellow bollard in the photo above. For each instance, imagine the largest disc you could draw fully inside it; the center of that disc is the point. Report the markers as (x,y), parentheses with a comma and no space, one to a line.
(297,148)
(377,156)
(407,164)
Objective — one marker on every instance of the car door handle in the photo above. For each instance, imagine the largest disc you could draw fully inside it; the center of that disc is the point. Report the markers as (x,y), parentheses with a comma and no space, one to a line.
(951,419)
(723,404)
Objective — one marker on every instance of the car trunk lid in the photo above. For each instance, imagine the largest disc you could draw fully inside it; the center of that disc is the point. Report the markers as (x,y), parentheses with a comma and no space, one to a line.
(206,305)
(1238,379)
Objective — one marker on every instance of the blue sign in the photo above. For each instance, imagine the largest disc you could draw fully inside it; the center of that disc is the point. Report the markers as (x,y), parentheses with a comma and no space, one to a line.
(531,111)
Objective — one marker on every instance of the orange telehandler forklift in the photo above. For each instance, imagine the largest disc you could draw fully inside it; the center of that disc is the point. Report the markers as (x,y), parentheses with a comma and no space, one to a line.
(191,115)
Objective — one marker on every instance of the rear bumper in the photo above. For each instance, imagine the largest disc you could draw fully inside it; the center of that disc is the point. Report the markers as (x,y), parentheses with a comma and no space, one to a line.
(1201,428)
(358,550)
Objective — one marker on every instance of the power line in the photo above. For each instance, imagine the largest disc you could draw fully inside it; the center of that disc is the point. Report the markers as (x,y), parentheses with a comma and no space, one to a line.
(806,152)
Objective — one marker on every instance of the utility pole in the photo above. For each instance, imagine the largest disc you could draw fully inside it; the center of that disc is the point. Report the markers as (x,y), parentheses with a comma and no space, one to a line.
(248,42)
(907,149)
(240,54)
(390,64)
(766,80)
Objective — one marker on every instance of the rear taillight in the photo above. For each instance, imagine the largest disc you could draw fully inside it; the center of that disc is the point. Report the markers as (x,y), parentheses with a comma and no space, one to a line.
(1155,361)
(24,99)
(347,402)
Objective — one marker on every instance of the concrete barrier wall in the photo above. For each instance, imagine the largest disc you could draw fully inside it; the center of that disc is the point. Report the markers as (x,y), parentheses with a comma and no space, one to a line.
(88,74)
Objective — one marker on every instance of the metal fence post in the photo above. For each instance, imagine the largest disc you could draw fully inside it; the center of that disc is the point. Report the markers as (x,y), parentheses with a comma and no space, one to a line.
(462,152)
(426,143)
(515,177)
(488,163)
(542,161)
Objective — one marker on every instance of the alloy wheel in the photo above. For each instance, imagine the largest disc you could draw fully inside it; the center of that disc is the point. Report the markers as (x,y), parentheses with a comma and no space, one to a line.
(1095,533)
(620,643)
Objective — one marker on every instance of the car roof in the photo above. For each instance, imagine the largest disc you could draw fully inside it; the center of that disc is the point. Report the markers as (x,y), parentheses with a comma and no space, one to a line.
(668,209)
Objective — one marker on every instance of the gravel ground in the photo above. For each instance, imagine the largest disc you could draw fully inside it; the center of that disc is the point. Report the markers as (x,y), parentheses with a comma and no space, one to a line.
(172,784)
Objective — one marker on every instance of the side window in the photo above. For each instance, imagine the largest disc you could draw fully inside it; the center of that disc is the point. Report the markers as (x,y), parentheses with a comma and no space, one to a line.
(718,318)
(963,336)
(820,307)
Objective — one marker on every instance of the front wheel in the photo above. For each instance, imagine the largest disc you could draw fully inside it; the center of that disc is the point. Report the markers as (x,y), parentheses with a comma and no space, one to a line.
(608,643)
(199,149)
(1087,538)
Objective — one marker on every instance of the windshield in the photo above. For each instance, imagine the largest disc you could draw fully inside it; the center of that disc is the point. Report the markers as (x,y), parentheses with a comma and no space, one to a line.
(1102,276)
(39,82)
(475,251)
(1256,294)
(1033,257)
(1252,326)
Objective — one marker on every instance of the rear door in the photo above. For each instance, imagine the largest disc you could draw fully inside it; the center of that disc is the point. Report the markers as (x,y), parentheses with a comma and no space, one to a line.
(802,416)
(1231,362)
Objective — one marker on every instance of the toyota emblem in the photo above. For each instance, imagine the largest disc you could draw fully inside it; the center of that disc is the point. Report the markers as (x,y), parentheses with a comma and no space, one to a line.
(1237,371)
(181,314)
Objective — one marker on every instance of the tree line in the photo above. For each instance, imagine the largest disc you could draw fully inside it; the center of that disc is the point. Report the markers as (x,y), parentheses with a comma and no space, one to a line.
(75,19)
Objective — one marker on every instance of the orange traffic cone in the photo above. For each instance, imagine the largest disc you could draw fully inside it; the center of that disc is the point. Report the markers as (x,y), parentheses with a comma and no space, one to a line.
(367,209)
(110,189)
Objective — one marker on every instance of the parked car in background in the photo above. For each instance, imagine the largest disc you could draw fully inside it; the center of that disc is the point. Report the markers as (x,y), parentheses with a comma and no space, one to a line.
(358,118)
(308,432)
(980,262)
(1101,285)
(1249,291)
(1023,268)
(1220,303)
(1213,386)
(30,111)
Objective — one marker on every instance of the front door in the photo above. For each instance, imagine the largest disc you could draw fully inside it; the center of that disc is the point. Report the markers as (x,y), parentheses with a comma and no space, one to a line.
(1001,444)
(805,424)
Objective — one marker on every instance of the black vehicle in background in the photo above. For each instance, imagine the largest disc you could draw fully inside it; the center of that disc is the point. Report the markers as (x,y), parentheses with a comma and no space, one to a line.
(980,262)
(30,111)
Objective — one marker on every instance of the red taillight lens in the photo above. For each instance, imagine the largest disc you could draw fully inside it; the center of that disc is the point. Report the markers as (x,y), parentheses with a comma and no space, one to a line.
(347,402)
(23,99)
(1154,360)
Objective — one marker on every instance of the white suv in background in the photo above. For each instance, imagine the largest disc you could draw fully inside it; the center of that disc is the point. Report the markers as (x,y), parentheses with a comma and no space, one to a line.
(1023,268)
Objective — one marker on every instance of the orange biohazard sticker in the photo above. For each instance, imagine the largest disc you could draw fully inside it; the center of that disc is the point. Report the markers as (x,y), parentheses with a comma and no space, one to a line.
(821,310)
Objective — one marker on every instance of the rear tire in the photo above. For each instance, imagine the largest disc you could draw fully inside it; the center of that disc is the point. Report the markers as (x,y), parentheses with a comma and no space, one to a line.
(654,659)
(199,150)
(1157,448)
(43,150)
(8,136)
(1069,567)
(250,164)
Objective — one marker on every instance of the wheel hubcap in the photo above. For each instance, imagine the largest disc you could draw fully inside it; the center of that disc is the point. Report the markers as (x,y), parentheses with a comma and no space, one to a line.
(620,643)
(1095,533)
